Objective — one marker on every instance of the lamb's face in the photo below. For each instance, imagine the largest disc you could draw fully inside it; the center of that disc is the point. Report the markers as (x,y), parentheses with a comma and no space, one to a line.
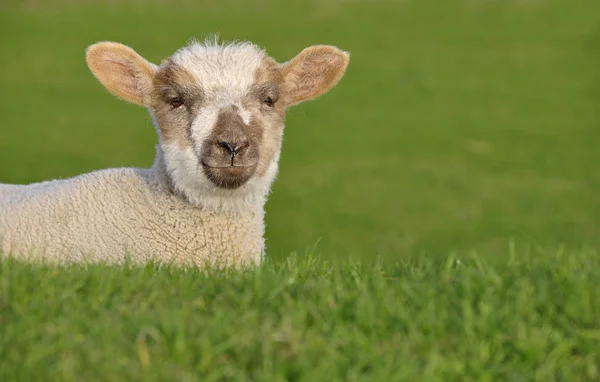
(219,110)
(219,115)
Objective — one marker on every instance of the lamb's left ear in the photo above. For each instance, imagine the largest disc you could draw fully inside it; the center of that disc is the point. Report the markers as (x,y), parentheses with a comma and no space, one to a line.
(313,72)
(122,71)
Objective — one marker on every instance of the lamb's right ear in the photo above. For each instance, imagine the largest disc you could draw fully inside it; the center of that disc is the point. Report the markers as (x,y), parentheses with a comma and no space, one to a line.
(122,71)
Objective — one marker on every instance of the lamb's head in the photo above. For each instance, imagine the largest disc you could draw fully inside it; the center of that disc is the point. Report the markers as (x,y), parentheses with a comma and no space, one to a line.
(219,109)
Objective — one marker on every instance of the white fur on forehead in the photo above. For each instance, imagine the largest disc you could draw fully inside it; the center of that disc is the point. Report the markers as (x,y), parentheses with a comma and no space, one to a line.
(228,66)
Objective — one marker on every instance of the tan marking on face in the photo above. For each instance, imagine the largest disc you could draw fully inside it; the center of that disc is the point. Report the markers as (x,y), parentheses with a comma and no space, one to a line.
(172,82)
(230,131)
(267,83)
(231,128)
(268,71)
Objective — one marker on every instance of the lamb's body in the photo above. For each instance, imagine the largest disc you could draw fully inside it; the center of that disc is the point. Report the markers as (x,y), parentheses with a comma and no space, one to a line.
(219,111)
(111,215)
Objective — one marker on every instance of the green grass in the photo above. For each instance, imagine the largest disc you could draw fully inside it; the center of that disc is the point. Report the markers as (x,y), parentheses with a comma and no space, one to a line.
(460,127)
(530,316)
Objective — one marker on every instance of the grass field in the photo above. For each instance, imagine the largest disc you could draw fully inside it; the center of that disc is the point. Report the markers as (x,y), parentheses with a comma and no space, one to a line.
(533,317)
(462,128)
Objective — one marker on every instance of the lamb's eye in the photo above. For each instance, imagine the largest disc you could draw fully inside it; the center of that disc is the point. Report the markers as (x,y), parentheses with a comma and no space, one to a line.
(268,101)
(175,102)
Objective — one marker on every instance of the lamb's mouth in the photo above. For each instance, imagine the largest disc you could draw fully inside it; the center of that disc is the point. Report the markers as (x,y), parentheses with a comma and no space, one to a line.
(229,177)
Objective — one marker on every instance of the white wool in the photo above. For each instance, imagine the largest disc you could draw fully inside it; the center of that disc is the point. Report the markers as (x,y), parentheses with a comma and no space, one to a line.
(229,67)
(116,215)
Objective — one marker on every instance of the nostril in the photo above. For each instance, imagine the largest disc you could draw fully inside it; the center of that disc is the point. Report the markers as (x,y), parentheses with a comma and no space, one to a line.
(242,146)
(228,146)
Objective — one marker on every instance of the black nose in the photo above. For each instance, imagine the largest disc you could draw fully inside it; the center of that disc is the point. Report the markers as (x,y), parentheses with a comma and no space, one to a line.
(232,148)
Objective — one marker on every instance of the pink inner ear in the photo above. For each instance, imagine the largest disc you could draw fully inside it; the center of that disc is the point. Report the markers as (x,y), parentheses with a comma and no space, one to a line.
(320,62)
(127,78)
(314,74)
(330,59)
(121,70)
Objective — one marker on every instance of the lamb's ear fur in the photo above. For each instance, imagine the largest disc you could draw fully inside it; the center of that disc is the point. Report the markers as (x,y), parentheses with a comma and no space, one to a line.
(313,72)
(122,71)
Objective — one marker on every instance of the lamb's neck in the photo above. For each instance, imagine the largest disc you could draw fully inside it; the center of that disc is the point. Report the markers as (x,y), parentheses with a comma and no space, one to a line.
(160,171)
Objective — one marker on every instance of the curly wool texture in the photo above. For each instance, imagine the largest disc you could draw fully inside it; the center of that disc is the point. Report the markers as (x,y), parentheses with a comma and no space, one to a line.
(121,215)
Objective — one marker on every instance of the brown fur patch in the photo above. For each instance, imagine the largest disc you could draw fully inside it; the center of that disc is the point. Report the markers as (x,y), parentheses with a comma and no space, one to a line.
(268,83)
(122,71)
(231,128)
(269,72)
(172,81)
(313,72)
(216,159)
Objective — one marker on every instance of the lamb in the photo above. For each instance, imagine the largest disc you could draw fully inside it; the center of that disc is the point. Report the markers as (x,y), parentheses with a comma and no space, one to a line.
(219,111)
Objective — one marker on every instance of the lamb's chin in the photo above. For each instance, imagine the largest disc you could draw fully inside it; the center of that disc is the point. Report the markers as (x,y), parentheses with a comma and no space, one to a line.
(229,178)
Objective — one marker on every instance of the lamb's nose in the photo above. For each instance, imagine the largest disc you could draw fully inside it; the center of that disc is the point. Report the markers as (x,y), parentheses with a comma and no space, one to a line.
(233,148)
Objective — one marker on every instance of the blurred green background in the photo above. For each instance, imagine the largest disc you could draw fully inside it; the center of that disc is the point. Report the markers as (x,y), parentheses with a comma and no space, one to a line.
(460,125)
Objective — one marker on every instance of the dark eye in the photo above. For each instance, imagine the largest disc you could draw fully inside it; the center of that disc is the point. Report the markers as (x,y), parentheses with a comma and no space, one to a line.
(269,101)
(175,102)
